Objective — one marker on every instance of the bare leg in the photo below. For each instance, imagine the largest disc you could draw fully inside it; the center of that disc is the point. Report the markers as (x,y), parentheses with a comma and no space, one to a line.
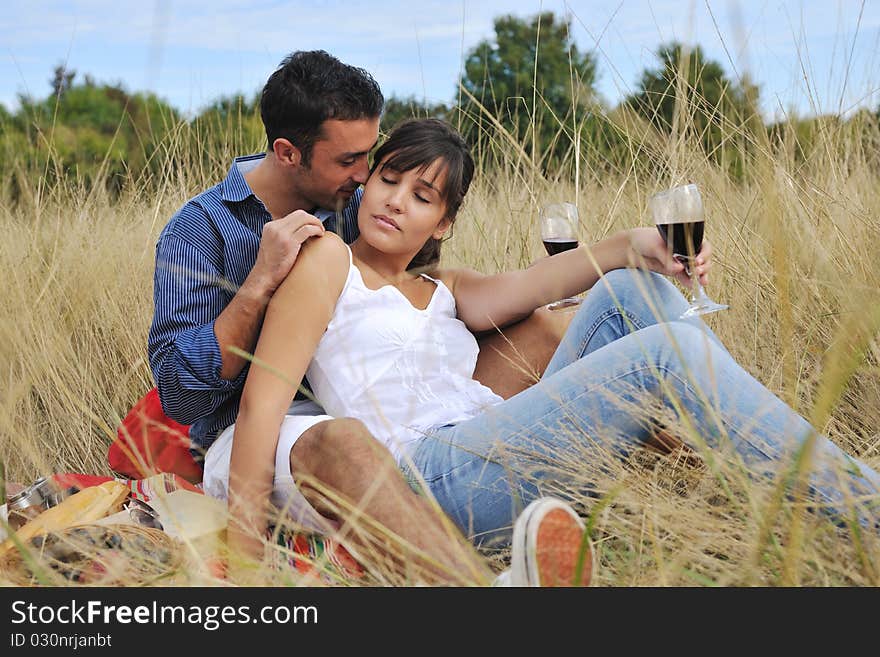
(347,475)
(515,358)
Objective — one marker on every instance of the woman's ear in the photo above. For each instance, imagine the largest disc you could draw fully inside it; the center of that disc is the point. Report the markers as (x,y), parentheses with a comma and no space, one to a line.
(442,227)
(286,153)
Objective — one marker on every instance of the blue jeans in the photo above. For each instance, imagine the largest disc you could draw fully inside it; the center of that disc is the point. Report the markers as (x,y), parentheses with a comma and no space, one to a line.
(625,363)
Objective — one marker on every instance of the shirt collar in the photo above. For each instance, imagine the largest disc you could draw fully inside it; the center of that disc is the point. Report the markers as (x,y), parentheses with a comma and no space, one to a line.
(323,214)
(234,187)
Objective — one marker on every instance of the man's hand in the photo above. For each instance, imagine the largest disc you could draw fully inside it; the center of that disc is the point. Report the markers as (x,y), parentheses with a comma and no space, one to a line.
(648,250)
(279,246)
(239,323)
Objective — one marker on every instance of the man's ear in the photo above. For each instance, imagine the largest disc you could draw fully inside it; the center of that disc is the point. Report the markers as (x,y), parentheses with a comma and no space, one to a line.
(286,152)
(444,225)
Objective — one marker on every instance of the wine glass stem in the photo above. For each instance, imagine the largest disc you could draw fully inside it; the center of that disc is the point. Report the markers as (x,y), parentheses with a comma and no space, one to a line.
(697,292)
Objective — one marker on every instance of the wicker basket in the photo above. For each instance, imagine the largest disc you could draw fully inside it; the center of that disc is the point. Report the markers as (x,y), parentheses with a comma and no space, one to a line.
(95,555)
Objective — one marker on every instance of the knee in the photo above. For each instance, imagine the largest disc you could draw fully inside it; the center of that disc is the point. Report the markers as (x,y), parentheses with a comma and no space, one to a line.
(648,295)
(685,341)
(617,287)
(338,447)
(686,334)
(624,278)
(350,436)
(640,283)
(620,278)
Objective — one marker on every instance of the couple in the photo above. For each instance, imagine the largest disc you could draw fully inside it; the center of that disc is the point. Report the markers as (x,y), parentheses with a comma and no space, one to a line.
(395,349)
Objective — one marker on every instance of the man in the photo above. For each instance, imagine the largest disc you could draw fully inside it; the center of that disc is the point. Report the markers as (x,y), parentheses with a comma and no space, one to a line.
(218,262)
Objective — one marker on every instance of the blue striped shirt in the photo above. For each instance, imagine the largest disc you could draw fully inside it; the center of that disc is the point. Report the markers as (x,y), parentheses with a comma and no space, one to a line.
(203,255)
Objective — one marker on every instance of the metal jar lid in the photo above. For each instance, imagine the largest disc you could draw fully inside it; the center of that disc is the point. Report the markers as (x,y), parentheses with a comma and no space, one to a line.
(33,495)
(24,499)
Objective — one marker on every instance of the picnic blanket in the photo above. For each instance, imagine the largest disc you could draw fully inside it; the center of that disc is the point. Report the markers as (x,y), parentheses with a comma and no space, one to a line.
(152,452)
(304,553)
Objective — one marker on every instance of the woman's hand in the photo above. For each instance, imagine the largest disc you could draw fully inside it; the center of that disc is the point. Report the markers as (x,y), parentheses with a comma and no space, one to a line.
(648,250)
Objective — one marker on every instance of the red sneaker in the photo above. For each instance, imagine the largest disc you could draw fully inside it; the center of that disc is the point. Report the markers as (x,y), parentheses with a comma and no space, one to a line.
(550,547)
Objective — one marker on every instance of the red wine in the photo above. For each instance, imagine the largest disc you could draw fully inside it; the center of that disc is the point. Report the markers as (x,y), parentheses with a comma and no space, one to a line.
(556,245)
(687,237)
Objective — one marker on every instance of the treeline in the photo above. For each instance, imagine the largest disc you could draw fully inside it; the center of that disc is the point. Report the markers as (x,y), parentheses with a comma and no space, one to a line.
(90,132)
(531,93)
(528,95)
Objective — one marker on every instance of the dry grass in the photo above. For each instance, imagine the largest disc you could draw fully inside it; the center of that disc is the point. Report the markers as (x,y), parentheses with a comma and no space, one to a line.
(796,251)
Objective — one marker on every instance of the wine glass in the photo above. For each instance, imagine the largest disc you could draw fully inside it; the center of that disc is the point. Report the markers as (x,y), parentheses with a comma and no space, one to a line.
(559,223)
(679,216)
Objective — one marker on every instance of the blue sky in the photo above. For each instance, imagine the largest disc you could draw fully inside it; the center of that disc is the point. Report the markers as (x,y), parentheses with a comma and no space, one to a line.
(807,55)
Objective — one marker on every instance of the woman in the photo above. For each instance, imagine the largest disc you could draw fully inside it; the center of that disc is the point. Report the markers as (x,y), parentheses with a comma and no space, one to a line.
(394,349)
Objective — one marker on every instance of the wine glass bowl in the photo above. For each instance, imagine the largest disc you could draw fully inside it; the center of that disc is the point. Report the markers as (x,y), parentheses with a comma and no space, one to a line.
(680,217)
(559,227)
(559,232)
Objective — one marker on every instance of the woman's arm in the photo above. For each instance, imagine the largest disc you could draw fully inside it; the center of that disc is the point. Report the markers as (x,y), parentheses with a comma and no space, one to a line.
(295,320)
(486,302)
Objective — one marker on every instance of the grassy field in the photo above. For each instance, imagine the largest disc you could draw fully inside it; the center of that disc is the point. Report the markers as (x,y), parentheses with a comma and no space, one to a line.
(797,259)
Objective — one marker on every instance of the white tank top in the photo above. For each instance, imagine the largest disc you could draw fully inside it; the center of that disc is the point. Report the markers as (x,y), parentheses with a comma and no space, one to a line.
(398,369)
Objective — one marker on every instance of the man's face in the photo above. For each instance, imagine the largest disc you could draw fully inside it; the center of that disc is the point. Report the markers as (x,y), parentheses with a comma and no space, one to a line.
(338,164)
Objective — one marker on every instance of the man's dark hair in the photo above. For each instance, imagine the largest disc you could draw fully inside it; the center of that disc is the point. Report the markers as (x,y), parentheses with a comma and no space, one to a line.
(309,87)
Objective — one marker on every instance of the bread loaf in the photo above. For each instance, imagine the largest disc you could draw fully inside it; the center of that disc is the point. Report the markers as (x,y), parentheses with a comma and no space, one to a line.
(86,506)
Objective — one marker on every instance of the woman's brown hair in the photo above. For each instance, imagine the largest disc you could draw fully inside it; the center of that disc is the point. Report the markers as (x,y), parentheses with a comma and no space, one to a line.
(418,143)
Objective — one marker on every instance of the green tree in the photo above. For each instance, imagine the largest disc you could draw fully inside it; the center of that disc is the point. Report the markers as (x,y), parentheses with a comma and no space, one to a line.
(398,109)
(691,95)
(531,79)
(228,127)
(62,80)
(90,131)
(232,108)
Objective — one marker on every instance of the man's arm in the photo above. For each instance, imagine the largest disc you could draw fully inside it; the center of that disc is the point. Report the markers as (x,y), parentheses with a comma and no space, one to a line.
(189,294)
(198,315)
(239,323)
(239,326)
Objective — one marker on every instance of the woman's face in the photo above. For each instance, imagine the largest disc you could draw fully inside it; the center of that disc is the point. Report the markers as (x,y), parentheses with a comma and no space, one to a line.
(400,211)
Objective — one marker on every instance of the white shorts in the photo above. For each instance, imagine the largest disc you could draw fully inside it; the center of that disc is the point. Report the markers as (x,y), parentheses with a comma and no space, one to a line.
(302,415)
